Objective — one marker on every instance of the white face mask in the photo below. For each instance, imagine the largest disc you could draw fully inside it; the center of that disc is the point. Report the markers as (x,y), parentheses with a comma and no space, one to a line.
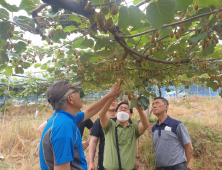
(122,116)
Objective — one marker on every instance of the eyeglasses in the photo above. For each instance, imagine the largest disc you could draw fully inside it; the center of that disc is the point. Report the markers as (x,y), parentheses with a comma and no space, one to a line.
(76,91)
(125,108)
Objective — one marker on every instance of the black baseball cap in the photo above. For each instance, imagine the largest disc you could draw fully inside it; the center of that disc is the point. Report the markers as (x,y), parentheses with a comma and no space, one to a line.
(58,89)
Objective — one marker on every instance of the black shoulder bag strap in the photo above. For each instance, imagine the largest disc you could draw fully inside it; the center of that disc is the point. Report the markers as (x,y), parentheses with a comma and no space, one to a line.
(117,146)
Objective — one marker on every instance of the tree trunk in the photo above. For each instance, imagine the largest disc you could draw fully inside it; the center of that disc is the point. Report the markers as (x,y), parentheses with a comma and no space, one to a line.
(160,92)
(176,94)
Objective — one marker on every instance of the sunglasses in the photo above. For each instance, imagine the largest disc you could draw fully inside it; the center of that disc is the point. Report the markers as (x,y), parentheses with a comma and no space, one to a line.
(76,91)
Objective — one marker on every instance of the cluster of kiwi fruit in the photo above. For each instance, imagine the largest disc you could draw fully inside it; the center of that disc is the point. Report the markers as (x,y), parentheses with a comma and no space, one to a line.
(100,18)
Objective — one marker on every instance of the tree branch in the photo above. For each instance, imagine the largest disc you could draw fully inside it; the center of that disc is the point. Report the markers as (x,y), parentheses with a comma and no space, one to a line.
(193,45)
(152,44)
(148,58)
(141,3)
(168,25)
(62,45)
(34,15)
(108,3)
(15,24)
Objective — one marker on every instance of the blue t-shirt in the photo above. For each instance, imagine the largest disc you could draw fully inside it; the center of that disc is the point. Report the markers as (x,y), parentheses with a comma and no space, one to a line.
(61,142)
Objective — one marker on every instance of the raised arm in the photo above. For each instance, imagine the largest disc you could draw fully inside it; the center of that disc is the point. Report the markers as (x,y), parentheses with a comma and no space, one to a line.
(97,106)
(144,124)
(104,119)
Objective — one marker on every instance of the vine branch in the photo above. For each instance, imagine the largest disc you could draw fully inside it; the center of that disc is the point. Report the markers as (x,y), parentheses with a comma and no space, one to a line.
(172,24)
(149,58)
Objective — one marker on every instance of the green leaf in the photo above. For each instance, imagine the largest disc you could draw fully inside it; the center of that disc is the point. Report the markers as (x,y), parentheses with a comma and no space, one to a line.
(79,79)
(137,1)
(183,4)
(20,46)
(26,65)
(189,75)
(143,101)
(69,28)
(175,47)
(26,21)
(81,94)
(102,43)
(207,3)
(8,71)
(199,37)
(3,87)
(85,57)
(11,8)
(94,59)
(3,57)
(99,44)
(165,31)
(4,26)
(208,51)
(71,62)
(137,81)
(77,44)
(37,65)
(104,53)
(129,16)
(19,70)
(131,41)
(7,92)
(89,43)
(4,14)
(94,2)
(186,57)
(206,10)
(44,67)
(74,18)
(133,103)
(160,13)
(14,54)
(2,67)
(29,5)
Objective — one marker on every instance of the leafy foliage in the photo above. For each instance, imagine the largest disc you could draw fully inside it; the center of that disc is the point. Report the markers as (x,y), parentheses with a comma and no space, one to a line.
(154,46)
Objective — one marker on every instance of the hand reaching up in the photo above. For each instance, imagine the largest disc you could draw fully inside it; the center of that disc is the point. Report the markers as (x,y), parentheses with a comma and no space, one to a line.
(115,90)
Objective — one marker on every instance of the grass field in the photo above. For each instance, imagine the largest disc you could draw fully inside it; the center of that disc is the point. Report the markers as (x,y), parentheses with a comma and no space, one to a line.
(202,117)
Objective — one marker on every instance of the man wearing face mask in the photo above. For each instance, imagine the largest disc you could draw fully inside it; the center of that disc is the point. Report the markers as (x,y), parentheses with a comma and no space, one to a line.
(97,135)
(126,133)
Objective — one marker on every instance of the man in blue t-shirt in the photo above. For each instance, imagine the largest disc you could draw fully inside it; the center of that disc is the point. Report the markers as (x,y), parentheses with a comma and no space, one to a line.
(61,143)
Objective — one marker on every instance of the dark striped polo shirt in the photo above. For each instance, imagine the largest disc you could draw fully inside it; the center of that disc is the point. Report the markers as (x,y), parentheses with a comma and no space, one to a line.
(169,139)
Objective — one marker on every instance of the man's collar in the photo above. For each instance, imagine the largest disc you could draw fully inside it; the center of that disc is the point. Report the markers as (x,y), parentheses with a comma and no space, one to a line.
(66,113)
(118,124)
(166,121)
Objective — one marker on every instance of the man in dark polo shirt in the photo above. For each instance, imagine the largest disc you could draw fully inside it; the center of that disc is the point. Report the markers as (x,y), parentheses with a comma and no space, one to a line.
(171,141)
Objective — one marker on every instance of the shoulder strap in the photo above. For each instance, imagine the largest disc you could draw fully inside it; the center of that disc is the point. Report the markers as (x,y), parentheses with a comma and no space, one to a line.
(117,146)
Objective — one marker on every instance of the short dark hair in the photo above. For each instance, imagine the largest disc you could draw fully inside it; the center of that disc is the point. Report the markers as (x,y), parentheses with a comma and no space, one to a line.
(165,101)
(124,102)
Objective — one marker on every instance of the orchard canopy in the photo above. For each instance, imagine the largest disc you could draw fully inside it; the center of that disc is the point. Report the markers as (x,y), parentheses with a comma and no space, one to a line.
(144,43)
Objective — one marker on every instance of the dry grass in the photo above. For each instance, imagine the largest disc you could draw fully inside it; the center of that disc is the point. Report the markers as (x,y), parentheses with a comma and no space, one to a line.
(202,117)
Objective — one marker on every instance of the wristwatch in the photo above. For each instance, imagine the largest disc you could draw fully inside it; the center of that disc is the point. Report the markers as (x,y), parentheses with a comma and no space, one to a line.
(137,157)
